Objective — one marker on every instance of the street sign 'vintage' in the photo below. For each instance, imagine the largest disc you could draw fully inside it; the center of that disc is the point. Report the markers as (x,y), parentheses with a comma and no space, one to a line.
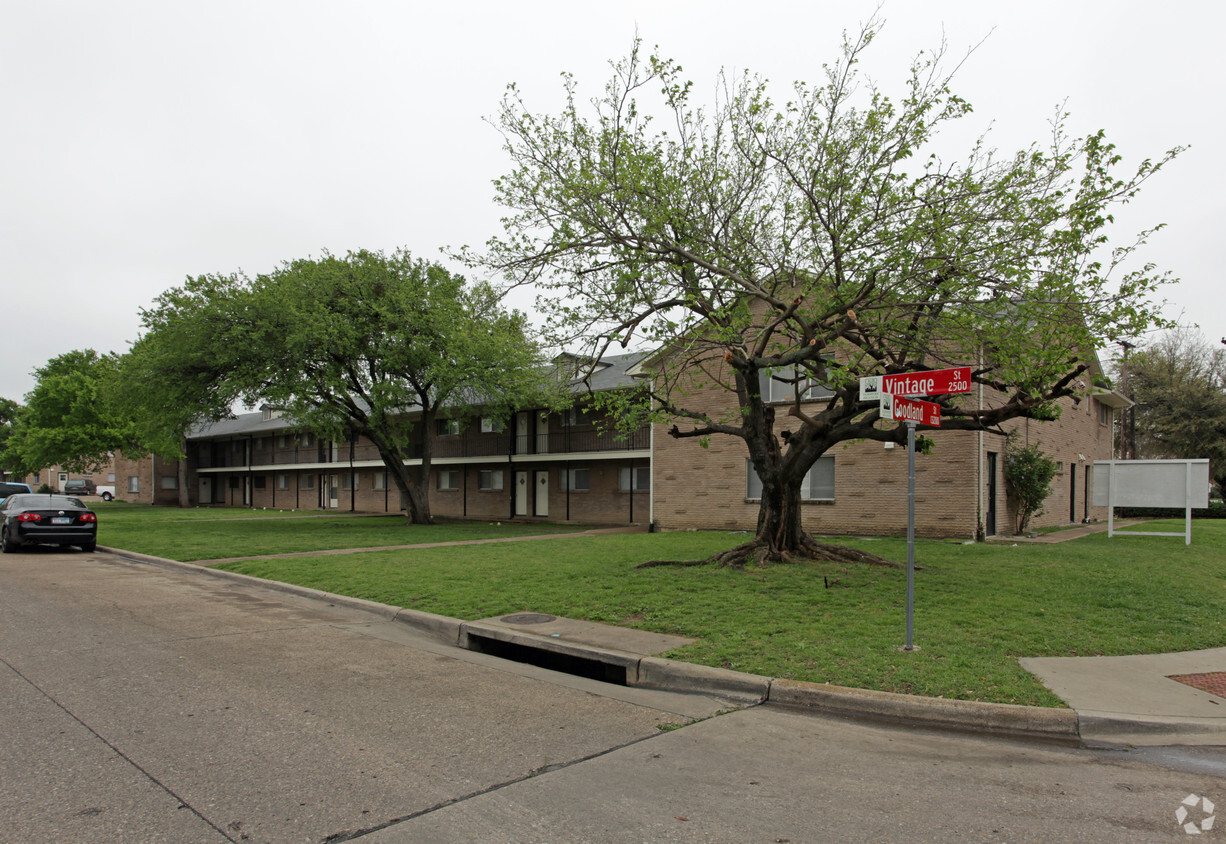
(935,382)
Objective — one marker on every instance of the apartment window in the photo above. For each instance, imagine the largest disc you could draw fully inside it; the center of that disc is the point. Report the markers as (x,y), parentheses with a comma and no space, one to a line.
(818,484)
(282,441)
(349,480)
(259,482)
(573,417)
(490,425)
(282,481)
(489,479)
(448,479)
(306,440)
(634,478)
(110,477)
(576,480)
(133,483)
(448,427)
(782,383)
(259,443)
(1104,414)
(308,481)
(381,480)
(170,482)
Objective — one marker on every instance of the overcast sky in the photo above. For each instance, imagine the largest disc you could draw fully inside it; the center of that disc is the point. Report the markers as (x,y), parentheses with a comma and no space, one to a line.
(144,142)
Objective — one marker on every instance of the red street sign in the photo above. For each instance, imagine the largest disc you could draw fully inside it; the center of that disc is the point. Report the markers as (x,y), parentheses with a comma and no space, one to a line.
(937,382)
(911,410)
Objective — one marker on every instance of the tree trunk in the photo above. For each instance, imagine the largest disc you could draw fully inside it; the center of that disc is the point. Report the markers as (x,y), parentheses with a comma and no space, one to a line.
(184,492)
(412,490)
(781,536)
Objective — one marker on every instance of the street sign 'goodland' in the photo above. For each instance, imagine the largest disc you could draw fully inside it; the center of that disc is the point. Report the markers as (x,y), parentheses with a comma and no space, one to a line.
(910,410)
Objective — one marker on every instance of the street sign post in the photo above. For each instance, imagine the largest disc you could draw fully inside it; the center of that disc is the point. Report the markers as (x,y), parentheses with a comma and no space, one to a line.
(892,391)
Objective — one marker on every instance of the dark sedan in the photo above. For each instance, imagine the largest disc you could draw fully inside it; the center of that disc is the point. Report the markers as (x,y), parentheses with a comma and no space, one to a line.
(46,519)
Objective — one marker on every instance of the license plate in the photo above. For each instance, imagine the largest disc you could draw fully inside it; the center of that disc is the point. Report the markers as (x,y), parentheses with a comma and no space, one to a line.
(61,520)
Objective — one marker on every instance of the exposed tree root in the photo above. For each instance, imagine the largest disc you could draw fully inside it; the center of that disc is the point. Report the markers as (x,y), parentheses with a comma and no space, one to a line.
(758,552)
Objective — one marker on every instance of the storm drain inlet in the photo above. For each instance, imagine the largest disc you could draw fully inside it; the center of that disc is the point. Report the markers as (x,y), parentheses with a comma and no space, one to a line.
(578,666)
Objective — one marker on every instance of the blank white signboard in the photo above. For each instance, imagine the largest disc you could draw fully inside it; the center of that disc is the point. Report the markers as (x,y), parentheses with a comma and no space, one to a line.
(1151,483)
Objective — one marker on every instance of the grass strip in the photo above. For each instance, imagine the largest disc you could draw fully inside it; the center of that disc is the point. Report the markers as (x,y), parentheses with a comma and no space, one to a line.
(195,536)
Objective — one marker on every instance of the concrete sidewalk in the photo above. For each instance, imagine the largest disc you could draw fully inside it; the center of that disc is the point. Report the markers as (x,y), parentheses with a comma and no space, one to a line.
(1137,700)
(1069,533)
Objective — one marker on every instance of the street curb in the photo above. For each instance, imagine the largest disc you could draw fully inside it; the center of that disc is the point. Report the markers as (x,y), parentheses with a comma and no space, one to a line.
(1004,719)
(1001,719)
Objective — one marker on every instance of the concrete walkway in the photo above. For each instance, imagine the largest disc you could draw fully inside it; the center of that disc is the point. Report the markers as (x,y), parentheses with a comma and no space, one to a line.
(1069,533)
(334,551)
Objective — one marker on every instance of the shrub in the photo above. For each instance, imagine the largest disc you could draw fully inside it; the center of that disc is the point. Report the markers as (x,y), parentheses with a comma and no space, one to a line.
(1028,475)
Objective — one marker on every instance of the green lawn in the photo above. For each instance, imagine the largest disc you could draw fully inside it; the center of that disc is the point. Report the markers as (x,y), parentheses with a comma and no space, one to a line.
(978,607)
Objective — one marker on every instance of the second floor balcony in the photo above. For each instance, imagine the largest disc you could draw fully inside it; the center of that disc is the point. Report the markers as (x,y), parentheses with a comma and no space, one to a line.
(242,453)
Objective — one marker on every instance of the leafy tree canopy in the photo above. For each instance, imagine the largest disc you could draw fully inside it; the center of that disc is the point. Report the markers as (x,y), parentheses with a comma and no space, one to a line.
(1178,382)
(367,344)
(66,420)
(814,240)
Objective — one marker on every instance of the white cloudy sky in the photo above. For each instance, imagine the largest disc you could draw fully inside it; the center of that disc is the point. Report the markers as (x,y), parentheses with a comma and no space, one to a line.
(147,140)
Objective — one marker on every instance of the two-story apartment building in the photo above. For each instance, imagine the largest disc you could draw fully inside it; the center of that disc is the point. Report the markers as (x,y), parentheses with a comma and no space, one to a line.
(538,464)
(565,466)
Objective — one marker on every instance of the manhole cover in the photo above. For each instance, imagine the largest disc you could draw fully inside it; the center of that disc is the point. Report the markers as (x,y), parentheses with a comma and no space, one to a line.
(529,618)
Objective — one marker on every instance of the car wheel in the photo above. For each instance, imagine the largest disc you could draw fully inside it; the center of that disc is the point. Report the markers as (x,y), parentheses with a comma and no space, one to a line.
(106,496)
(89,547)
(6,542)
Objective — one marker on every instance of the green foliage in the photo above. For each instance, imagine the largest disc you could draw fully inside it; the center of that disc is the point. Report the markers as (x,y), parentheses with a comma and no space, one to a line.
(1028,475)
(182,370)
(67,419)
(1178,382)
(814,242)
(9,410)
(368,344)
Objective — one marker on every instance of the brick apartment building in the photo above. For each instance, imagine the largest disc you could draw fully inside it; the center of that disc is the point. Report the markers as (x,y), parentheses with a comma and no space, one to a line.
(562,466)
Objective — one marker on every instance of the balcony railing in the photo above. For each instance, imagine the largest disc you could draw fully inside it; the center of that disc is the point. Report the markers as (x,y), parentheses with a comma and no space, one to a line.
(568,441)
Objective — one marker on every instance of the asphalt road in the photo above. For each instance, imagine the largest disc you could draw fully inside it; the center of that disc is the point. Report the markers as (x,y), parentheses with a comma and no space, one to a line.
(140,705)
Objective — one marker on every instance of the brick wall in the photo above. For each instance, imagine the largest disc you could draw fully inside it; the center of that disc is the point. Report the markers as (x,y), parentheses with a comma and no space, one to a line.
(705,488)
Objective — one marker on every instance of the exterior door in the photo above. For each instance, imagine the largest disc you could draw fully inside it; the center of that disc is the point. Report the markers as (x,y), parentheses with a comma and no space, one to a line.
(542,433)
(521,438)
(1072,492)
(989,516)
(334,491)
(521,493)
(206,491)
(540,485)
(62,478)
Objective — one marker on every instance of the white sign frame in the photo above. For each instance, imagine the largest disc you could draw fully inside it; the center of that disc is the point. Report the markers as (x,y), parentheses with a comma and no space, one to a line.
(1152,483)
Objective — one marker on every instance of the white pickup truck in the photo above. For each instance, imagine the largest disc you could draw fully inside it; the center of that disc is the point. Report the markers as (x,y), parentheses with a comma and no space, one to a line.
(78,486)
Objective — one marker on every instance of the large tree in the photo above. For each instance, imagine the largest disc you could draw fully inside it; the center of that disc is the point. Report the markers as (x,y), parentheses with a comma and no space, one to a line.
(813,242)
(182,370)
(369,344)
(66,420)
(1178,382)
